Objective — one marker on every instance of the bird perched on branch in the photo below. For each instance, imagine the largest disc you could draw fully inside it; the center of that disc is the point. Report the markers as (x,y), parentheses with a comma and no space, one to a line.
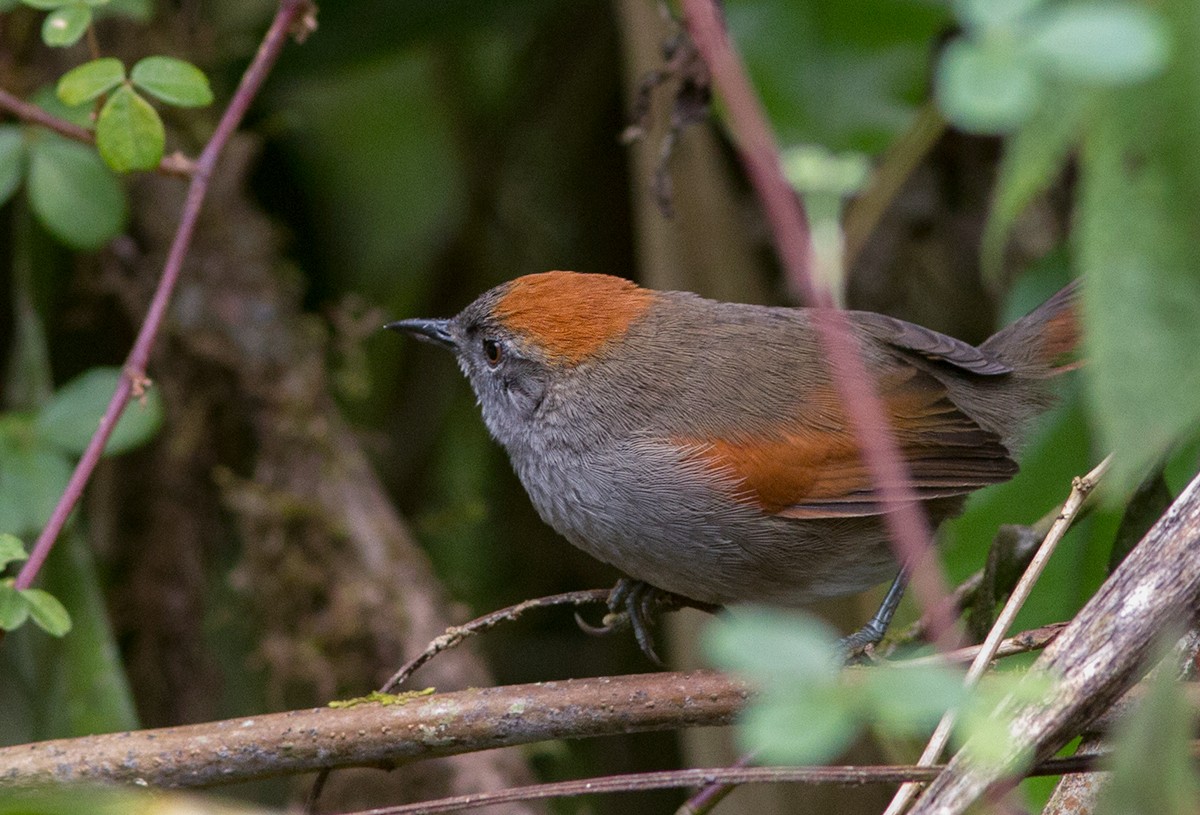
(702,448)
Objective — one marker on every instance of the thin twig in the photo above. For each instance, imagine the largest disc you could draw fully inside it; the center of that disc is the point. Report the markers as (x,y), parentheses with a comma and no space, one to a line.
(456,634)
(175,164)
(905,520)
(847,776)
(1032,640)
(453,637)
(1080,489)
(289,14)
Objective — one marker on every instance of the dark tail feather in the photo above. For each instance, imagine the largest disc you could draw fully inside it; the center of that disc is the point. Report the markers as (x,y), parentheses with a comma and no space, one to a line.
(1043,343)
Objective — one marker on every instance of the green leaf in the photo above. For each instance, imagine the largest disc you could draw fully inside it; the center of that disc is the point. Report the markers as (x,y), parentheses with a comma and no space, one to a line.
(1105,43)
(47,99)
(13,608)
(70,418)
(46,5)
(90,80)
(771,645)
(986,87)
(1137,229)
(799,725)
(986,724)
(73,194)
(12,160)
(813,169)
(1033,158)
(988,15)
(904,701)
(64,26)
(32,478)
(47,612)
(174,81)
(129,134)
(1152,772)
(11,549)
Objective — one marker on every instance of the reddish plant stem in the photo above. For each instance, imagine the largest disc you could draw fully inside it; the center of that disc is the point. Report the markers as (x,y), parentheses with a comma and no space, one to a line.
(32,113)
(175,164)
(134,378)
(849,776)
(906,522)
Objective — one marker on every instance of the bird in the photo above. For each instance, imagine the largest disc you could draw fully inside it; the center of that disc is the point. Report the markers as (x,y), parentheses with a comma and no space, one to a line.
(702,448)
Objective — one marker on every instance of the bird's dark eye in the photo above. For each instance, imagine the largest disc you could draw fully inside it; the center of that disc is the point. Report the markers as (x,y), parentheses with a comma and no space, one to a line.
(491,351)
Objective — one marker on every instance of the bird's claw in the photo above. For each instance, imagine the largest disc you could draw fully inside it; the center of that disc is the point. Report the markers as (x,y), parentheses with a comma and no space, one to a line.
(631,604)
(634,604)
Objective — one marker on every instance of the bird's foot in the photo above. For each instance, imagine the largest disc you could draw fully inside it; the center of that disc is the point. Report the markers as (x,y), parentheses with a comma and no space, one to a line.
(633,604)
(856,644)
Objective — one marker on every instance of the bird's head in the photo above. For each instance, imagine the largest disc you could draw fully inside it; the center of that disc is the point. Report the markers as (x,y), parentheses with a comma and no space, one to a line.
(518,340)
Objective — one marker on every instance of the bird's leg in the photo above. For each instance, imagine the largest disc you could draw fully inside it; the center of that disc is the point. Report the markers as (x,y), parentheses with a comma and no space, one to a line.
(876,627)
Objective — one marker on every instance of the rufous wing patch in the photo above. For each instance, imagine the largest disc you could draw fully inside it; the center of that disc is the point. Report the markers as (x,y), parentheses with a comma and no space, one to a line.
(798,471)
(571,316)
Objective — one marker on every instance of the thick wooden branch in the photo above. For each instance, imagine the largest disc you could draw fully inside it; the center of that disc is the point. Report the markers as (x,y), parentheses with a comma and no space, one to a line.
(374,734)
(1101,653)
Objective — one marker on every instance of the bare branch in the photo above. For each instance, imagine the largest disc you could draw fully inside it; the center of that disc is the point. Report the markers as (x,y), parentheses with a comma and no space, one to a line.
(380,734)
(415,727)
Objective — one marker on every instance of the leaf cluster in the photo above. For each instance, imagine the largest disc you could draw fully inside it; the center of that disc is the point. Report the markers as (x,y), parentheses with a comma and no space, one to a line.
(36,450)
(809,709)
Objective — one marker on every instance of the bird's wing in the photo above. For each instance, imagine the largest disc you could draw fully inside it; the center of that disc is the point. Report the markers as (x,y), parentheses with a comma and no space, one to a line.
(929,343)
(800,470)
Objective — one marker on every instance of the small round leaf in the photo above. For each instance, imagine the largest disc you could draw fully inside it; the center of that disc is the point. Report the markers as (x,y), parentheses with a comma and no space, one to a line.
(769,645)
(90,80)
(986,87)
(129,134)
(13,608)
(11,549)
(47,612)
(73,194)
(1104,43)
(173,81)
(799,725)
(64,26)
(12,160)
(32,479)
(72,415)
(47,99)
(905,701)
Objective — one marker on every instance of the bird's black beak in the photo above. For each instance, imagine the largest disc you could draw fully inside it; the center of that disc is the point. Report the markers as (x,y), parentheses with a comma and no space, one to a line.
(434,331)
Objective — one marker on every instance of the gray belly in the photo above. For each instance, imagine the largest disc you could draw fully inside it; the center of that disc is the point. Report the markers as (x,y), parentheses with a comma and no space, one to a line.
(660,519)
